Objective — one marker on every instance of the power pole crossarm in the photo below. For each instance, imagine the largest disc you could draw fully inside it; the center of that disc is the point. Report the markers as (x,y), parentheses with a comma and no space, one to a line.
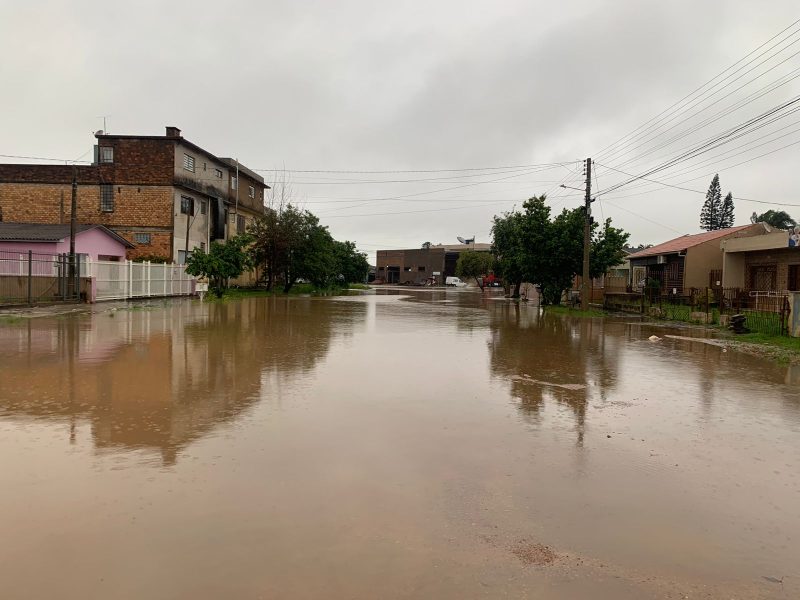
(587,236)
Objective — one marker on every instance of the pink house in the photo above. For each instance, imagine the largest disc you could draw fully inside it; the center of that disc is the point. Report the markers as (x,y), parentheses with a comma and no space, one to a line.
(94,241)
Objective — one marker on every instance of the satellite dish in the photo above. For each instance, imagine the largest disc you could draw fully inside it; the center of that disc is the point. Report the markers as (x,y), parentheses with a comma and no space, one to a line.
(470,240)
(462,240)
(99,132)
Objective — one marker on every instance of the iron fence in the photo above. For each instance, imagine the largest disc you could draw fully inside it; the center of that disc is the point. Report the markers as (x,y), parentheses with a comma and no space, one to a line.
(28,277)
(765,311)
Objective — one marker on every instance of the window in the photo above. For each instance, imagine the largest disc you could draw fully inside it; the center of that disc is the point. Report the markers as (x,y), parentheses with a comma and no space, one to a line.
(106,154)
(234,183)
(251,192)
(188,162)
(187,205)
(142,238)
(240,225)
(203,207)
(421,269)
(218,173)
(106,198)
(204,166)
(407,269)
(182,257)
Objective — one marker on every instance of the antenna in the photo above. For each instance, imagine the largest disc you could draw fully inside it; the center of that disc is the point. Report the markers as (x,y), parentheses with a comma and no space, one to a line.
(461,239)
(104,117)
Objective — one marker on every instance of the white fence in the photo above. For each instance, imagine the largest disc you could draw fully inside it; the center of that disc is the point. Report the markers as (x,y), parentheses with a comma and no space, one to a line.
(127,279)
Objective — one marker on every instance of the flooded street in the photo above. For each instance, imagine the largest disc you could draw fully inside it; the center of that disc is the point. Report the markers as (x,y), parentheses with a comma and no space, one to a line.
(415,444)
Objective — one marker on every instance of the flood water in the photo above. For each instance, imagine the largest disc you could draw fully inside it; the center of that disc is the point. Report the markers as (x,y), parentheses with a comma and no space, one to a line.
(420,444)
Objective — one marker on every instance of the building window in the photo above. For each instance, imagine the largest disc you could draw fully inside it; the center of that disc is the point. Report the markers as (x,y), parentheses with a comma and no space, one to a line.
(106,198)
(187,205)
(204,166)
(188,162)
(240,225)
(407,269)
(421,269)
(203,207)
(251,192)
(182,257)
(106,154)
(218,173)
(142,238)
(234,183)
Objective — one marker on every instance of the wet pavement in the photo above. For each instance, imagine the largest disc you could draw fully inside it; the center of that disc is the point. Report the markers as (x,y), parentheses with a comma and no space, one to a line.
(405,444)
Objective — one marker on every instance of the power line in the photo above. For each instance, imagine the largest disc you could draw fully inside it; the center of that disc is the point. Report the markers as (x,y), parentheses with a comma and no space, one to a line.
(647,123)
(414,170)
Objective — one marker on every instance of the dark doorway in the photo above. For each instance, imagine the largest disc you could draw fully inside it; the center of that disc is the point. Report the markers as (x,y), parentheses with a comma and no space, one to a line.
(393,275)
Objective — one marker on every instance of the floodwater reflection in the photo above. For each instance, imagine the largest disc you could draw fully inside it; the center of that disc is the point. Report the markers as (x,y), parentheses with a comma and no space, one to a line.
(160,377)
(400,444)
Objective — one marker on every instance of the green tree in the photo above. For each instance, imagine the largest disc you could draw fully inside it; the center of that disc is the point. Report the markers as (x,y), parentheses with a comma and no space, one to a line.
(222,262)
(712,208)
(530,246)
(475,265)
(726,216)
(775,218)
(508,251)
(352,265)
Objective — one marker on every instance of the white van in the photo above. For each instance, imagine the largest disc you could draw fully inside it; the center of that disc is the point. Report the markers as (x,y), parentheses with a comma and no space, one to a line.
(454,282)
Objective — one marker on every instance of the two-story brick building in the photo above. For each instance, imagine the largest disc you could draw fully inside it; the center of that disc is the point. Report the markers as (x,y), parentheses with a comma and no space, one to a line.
(164,194)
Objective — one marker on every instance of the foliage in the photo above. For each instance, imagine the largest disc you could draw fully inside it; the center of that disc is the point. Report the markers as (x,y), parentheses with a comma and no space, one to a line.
(153,258)
(352,265)
(221,263)
(776,218)
(727,218)
(474,265)
(530,246)
(426,245)
(716,212)
(291,245)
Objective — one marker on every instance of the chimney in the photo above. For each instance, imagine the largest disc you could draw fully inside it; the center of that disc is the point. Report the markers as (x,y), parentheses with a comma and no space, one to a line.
(173,131)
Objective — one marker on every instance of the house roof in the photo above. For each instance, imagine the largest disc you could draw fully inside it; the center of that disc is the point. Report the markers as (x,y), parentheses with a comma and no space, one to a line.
(686,241)
(40,232)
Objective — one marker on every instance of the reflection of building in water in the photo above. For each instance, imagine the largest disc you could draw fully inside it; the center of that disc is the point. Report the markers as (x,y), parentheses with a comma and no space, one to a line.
(546,359)
(159,377)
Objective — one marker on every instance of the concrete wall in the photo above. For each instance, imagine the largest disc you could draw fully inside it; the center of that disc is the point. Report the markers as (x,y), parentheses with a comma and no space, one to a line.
(94,242)
(198,223)
(410,262)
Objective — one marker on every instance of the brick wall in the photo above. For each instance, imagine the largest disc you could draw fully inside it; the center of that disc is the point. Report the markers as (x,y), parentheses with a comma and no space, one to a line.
(136,209)
(160,243)
(138,161)
(781,258)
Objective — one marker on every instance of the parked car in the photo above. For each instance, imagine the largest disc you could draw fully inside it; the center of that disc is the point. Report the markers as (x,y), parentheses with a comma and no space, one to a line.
(454,282)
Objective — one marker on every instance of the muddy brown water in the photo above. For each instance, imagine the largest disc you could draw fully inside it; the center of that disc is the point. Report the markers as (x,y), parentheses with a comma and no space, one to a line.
(420,444)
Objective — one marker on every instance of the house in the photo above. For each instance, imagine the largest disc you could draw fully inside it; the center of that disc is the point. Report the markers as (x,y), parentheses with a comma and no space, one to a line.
(162,193)
(95,241)
(417,265)
(689,261)
(767,263)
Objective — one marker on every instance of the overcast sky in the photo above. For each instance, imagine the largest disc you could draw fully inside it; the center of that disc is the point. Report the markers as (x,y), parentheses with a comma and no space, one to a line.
(399,86)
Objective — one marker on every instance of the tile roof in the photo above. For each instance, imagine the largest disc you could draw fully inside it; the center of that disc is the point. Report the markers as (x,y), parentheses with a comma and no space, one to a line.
(41,232)
(686,241)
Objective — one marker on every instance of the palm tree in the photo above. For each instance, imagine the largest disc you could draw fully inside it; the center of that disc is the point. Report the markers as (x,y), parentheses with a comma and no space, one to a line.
(775,218)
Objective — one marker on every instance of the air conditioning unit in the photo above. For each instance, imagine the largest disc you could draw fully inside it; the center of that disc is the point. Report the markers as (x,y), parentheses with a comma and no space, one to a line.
(661,260)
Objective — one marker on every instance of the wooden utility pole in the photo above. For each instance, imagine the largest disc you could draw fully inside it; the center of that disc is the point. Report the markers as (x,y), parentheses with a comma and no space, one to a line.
(587,237)
(72,226)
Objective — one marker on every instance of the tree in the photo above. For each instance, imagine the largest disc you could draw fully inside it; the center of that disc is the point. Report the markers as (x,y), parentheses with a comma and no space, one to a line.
(471,264)
(352,265)
(726,216)
(775,218)
(222,262)
(426,245)
(712,207)
(530,246)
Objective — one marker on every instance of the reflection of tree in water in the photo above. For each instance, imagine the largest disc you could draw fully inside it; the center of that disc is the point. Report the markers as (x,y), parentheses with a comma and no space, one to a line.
(163,378)
(547,358)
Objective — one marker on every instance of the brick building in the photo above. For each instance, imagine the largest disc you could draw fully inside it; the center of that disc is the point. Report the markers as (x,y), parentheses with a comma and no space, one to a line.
(164,194)
(416,265)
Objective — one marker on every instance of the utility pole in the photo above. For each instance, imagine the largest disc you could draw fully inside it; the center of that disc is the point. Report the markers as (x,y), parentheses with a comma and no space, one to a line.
(587,236)
(72,220)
